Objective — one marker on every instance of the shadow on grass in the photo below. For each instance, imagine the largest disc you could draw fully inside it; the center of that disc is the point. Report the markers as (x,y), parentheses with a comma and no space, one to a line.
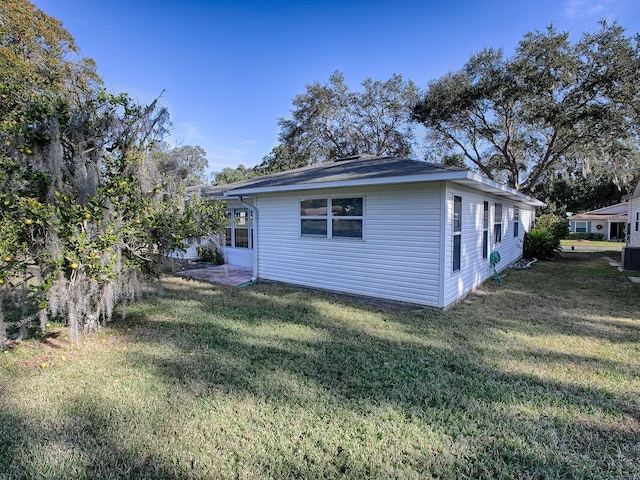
(80,444)
(571,318)
(437,372)
(359,370)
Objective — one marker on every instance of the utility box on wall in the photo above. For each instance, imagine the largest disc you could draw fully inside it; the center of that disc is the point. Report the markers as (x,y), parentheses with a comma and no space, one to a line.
(630,258)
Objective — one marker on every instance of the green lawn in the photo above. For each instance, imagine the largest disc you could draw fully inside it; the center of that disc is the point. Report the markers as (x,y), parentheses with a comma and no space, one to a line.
(538,378)
(591,243)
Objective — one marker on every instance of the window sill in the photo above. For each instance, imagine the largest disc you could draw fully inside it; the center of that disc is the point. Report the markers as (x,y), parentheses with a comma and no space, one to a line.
(334,239)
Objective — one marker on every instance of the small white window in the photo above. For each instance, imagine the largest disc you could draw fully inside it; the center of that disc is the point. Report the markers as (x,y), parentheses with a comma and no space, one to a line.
(457,232)
(581,227)
(346,217)
(332,217)
(238,231)
(485,230)
(313,217)
(497,223)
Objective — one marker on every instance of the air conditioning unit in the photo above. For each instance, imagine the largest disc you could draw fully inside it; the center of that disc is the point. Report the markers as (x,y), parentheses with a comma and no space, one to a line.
(630,258)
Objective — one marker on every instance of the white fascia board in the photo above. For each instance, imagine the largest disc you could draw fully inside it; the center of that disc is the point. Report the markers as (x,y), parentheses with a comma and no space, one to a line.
(502,190)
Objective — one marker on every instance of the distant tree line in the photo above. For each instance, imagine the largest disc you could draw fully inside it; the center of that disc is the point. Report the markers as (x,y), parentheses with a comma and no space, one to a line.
(557,120)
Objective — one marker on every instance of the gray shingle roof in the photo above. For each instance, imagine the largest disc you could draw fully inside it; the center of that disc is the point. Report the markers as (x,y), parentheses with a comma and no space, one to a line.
(357,171)
(353,168)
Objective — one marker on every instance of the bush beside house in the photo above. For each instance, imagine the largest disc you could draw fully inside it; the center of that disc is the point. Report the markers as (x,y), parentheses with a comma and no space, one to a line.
(557,225)
(210,253)
(541,244)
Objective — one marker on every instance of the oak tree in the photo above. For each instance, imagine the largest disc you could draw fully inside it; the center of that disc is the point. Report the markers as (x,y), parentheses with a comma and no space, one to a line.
(553,103)
(330,120)
(230,175)
(187,162)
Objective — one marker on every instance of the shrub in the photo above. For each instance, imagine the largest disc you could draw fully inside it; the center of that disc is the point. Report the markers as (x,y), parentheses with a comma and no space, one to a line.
(557,225)
(541,244)
(586,236)
(210,253)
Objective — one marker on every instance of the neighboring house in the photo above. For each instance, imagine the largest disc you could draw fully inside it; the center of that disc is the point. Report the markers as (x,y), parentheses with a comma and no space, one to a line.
(389,228)
(610,222)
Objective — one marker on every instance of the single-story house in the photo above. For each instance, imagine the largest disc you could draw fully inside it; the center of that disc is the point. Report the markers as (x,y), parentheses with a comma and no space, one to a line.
(610,222)
(391,228)
(633,216)
(630,257)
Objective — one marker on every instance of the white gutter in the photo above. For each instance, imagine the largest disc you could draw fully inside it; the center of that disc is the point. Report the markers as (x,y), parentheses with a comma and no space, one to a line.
(254,238)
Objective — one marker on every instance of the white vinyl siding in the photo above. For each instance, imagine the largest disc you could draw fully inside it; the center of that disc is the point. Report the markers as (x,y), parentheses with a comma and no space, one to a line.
(474,269)
(406,252)
(633,232)
(398,257)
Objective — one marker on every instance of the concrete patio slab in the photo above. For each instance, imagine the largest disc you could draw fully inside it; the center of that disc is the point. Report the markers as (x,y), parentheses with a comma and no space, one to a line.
(224,274)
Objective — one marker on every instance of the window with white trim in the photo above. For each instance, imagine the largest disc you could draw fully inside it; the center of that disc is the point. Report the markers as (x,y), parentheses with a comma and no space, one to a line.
(332,217)
(497,223)
(516,221)
(457,232)
(580,227)
(238,232)
(485,230)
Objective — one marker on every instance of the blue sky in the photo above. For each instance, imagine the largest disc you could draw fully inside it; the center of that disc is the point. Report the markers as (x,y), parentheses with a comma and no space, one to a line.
(229,69)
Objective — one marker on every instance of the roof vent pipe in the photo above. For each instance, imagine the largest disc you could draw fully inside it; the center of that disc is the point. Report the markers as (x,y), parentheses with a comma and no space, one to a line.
(360,156)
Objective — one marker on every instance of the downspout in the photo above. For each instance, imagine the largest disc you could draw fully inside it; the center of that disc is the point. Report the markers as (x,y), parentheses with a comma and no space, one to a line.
(254,243)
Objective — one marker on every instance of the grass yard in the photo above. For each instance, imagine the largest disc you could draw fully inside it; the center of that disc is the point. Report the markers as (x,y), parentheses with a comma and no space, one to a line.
(538,378)
(592,243)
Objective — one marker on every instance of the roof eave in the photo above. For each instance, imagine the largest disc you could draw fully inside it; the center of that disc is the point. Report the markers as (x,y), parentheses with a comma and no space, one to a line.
(499,189)
(585,216)
(467,178)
